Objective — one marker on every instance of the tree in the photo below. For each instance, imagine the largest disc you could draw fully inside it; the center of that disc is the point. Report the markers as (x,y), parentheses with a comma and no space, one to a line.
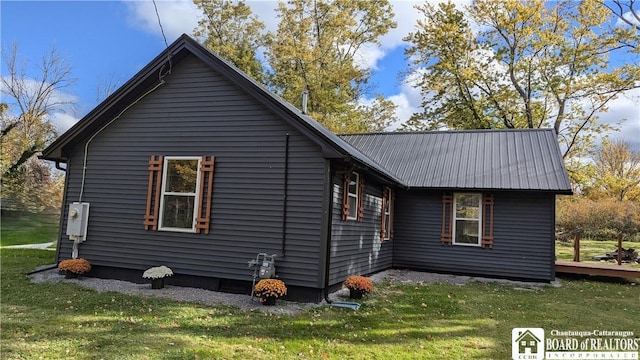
(617,170)
(521,64)
(626,11)
(314,49)
(27,130)
(233,32)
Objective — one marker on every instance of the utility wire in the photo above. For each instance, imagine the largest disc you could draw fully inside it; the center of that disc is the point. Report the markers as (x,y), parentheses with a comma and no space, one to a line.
(162,74)
(160,23)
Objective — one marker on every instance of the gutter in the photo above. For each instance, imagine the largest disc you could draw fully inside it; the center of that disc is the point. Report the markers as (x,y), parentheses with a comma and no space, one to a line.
(60,167)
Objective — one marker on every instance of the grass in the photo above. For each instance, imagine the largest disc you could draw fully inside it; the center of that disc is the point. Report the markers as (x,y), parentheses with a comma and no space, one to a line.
(27,228)
(590,248)
(435,321)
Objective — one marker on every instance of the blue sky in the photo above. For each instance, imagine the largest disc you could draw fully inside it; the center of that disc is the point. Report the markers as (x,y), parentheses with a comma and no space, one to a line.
(109,41)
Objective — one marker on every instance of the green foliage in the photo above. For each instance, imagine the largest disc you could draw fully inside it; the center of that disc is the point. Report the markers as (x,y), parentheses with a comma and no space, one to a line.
(521,64)
(431,321)
(230,30)
(314,49)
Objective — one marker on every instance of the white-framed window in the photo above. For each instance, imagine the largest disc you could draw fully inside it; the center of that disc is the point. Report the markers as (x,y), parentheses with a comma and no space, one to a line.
(353,194)
(467,224)
(387,213)
(179,197)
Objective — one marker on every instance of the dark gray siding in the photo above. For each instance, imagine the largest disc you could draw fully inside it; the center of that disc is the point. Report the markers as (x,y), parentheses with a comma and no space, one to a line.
(523,237)
(355,246)
(197,112)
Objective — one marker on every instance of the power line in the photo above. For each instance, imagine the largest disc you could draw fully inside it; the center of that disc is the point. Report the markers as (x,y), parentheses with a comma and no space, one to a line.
(160,23)
(161,74)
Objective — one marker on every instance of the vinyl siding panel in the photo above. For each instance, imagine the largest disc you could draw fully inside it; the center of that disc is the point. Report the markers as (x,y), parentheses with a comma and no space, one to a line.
(355,246)
(523,237)
(198,112)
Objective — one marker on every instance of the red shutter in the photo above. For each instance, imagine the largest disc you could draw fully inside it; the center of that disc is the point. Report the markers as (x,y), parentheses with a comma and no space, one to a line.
(361,199)
(383,223)
(203,220)
(153,193)
(487,220)
(345,197)
(447,217)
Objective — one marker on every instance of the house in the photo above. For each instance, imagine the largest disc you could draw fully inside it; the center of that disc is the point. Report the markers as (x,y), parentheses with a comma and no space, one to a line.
(527,343)
(194,165)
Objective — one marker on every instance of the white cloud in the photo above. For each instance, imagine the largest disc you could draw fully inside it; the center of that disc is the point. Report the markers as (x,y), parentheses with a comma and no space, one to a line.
(177,17)
(629,17)
(60,102)
(408,100)
(625,108)
(63,121)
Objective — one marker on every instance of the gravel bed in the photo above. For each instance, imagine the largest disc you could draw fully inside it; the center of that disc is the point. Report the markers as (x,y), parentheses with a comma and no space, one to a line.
(244,302)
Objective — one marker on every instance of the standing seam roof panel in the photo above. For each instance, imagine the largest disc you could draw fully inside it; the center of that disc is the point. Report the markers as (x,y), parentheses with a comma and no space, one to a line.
(527,159)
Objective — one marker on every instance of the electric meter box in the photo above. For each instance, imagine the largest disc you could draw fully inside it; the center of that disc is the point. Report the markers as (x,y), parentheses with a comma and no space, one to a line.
(78,220)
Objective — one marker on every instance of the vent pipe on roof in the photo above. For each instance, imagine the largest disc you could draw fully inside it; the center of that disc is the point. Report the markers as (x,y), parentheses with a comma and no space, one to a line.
(305,97)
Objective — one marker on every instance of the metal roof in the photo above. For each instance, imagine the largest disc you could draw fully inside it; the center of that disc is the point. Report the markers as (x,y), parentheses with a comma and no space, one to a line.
(476,159)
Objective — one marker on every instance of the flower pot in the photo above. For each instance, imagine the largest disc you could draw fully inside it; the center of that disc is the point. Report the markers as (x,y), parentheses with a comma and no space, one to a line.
(355,294)
(157,283)
(268,301)
(71,275)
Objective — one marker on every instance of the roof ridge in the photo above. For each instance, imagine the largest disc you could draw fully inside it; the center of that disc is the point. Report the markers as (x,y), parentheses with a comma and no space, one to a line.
(446,131)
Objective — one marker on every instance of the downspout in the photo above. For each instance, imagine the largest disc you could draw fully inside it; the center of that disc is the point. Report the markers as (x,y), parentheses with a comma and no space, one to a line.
(60,167)
(284,195)
(327,263)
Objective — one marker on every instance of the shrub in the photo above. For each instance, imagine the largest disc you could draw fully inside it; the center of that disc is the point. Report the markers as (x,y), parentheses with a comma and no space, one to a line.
(359,283)
(77,266)
(604,218)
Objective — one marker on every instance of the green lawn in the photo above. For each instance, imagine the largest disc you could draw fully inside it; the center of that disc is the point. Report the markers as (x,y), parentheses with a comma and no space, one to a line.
(590,248)
(27,228)
(435,321)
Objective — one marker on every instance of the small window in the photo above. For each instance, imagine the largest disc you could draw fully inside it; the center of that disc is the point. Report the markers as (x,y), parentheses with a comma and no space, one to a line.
(353,195)
(467,227)
(387,214)
(179,197)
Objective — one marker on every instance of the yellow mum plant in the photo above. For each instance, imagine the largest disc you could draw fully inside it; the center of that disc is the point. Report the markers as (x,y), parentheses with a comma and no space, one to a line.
(270,288)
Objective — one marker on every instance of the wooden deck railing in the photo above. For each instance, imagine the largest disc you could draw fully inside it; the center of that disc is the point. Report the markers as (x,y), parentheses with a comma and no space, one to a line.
(576,248)
(598,269)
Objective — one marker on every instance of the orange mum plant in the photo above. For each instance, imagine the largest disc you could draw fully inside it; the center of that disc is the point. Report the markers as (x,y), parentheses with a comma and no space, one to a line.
(77,266)
(266,288)
(359,283)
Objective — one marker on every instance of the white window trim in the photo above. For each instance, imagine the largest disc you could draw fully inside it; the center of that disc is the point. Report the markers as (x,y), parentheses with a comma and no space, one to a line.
(352,195)
(386,212)
(195,195)
(455,218)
